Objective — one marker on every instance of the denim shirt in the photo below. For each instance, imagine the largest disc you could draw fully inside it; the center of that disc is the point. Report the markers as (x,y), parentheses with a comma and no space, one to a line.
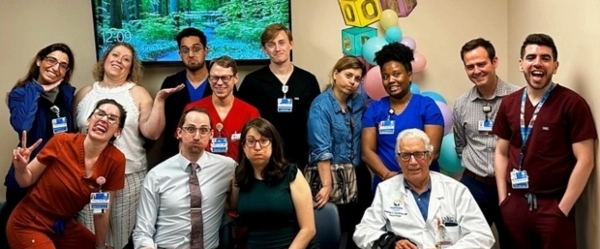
(330,136)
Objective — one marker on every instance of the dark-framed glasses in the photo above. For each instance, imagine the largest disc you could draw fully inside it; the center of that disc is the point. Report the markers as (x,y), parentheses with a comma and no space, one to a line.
(418,155)
(193,130)
(112,119)
(63,66)
(263,142)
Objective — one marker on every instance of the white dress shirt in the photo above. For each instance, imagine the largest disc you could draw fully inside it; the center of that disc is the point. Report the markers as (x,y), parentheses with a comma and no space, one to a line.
(395,209)
(163,215)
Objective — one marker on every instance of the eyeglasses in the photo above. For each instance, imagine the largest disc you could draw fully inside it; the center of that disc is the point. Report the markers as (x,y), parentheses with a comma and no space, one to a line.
(215,78)
(251,143)
(193,130)
(63,66)
(194,49)
(418,155)
(100,114)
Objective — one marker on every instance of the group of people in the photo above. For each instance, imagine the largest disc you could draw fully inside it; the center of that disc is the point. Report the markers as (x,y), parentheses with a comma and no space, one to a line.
(277,148)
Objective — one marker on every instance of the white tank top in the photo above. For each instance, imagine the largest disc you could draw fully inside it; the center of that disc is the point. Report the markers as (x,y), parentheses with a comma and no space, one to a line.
(131,140)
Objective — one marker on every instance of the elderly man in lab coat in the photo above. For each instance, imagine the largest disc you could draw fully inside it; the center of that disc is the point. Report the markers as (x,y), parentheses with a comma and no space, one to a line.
(422,209)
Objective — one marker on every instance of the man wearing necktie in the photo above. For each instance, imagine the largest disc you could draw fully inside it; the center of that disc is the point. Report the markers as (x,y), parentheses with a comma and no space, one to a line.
(183,198)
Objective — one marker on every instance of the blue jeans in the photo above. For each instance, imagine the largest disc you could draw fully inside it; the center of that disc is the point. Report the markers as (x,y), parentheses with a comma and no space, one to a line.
(486,197)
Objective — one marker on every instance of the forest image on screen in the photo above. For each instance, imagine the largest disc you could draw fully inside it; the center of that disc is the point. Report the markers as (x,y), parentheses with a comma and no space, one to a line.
(232,27)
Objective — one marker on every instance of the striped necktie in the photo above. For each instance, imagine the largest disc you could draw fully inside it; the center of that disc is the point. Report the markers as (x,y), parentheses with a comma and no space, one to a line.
(197,236)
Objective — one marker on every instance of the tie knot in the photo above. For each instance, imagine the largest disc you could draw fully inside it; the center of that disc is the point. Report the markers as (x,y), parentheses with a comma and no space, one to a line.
(194,166)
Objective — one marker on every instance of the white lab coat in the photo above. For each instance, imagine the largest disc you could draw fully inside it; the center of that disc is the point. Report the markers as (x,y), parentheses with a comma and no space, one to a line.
(395,209)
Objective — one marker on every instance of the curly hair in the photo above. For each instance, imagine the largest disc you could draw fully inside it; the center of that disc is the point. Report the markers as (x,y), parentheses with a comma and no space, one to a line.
(274,172)
(397,52)
(136,71)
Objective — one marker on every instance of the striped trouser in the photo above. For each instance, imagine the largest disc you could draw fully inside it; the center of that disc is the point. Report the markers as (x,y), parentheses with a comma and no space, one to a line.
(123,211)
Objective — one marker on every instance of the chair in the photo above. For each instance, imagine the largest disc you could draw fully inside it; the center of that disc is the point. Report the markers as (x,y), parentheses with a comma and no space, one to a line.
(327,222)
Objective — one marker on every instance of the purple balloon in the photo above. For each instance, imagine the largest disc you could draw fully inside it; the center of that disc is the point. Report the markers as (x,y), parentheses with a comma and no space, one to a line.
(409,42)
(447,115)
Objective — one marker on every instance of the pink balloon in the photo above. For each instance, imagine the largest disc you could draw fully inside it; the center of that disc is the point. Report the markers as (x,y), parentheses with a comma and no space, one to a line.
(447,115)
(419,63)
(374,85)
(409,42)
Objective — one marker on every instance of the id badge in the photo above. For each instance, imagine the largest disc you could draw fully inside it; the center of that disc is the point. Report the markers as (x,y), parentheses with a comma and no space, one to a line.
(519,179)
(236,136)
(284,105)
(218,145)
(485,127)
(386,127)
(99,202)
(59,125)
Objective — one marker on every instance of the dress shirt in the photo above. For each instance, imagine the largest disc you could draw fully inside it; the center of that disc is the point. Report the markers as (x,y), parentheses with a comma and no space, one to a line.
(163,215)
(477,150)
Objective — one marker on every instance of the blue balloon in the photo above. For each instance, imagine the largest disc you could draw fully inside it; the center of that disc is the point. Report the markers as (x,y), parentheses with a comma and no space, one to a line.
(448,160)
(393,34)
(435,96)
(414,89)
(372,46)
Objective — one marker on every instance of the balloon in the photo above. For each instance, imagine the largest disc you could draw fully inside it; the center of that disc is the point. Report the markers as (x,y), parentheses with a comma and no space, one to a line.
(448,160)
(419,63)
(447,115)
(374,85)
(435,96)
(409,42)
(414,89)
(393,34)
(372,46)
(389,18)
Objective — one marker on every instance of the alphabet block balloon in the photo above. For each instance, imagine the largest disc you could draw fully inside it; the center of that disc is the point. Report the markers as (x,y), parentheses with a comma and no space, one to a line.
(360,13)
(354,38)
(402,7)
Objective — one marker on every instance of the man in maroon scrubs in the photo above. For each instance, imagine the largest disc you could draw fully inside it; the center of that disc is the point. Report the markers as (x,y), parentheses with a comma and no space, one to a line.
(544,152)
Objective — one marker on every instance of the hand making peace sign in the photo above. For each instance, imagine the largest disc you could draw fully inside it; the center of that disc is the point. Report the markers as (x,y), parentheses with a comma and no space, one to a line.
(21,154)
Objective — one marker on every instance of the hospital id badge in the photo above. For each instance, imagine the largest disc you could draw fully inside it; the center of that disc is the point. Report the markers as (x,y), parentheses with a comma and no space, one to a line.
(99,202)
(386,127)
(485,127)
(59,125)
(284,105)
(519,179)
(218,145)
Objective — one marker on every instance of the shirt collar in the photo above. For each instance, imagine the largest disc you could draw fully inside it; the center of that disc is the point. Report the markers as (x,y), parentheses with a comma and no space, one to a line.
(184,162)
(501,90)
(406,186)
(333,101)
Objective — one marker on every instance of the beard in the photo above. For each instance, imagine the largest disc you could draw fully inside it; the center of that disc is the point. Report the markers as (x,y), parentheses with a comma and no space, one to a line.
(194,68)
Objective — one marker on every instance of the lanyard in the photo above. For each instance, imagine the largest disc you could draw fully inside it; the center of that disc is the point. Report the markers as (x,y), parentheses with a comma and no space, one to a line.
(526,130)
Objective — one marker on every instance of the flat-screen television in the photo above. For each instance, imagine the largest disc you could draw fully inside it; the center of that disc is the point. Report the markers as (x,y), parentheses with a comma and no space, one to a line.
(232,27)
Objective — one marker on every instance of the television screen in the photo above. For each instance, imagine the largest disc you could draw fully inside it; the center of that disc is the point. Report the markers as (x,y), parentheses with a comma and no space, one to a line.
(232,27)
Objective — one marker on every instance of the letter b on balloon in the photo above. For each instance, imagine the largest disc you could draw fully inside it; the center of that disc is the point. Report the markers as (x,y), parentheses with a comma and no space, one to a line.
(360,13)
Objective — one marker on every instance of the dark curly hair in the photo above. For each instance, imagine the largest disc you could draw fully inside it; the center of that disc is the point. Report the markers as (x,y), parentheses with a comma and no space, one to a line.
(274,172)
(397,52)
